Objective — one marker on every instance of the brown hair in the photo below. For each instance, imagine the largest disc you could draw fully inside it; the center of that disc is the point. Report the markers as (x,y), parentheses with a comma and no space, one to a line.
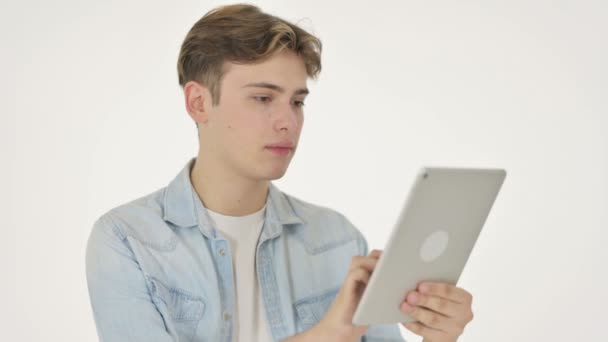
(240,33)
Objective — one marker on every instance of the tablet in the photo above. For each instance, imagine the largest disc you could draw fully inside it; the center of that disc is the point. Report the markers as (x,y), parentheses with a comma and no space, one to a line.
(432,239)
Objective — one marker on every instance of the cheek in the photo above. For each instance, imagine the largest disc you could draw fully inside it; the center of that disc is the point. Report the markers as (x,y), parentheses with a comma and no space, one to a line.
(237,119)
(300,123)
(246,130)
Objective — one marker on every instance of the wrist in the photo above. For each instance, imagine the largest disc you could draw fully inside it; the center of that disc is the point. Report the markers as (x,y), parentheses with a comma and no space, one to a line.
(323,332)
(317,333)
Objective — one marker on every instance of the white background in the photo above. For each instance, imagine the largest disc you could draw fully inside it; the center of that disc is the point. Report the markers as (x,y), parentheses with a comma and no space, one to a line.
(92,116)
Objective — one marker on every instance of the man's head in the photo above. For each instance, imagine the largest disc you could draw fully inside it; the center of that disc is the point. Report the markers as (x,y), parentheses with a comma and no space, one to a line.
(244,76)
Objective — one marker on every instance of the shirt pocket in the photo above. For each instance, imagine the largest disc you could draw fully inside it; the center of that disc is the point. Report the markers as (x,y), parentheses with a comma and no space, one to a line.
(181,309)
(312,309)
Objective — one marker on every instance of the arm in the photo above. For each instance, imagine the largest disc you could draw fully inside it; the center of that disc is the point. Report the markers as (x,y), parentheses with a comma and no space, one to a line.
(311,335)
(337,323)
(122,306)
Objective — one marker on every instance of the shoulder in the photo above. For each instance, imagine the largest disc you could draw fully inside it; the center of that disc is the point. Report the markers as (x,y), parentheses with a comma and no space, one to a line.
(141,219)
(323,227)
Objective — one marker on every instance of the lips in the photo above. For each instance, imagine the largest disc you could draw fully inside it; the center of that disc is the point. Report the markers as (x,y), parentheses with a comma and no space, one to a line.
(281,148)
(281,145)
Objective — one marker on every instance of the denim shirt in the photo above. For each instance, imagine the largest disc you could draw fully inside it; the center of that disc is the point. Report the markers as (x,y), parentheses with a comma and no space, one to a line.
(157,269)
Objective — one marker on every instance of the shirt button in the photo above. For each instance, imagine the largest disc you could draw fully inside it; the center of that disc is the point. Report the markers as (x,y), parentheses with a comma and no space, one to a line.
(222,252)
(226,316)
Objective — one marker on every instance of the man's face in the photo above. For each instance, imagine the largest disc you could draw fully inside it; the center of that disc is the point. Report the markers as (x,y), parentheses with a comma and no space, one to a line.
(255,128)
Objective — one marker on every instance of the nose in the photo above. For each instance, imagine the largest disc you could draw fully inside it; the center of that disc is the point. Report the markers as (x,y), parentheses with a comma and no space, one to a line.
(286,118)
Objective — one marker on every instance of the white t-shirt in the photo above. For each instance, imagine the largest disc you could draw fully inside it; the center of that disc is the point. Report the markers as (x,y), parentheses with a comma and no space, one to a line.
(242,233)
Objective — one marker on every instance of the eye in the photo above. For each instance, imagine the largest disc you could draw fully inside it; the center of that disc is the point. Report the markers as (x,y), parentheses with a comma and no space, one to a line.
(298,103)
(262,99)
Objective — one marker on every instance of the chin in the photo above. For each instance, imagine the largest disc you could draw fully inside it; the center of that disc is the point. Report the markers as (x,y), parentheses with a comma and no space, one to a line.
(276,175)
(273,173)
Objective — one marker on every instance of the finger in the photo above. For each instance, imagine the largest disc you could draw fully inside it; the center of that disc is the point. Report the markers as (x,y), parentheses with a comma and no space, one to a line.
(356,277)
(366,263)
(443,306)
(426,332)
(433,319)
(447,291)
(375,253)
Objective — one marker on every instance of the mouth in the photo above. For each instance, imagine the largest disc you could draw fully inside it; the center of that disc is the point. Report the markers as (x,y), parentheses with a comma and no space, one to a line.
(280,150)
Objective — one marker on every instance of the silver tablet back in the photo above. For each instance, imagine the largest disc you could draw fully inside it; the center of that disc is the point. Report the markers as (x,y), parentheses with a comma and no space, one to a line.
(432,240)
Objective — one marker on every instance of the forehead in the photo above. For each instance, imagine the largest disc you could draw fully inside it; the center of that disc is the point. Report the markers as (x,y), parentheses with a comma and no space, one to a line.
(285,68)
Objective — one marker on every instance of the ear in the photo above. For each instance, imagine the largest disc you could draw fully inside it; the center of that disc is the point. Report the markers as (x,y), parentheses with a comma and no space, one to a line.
(198,101)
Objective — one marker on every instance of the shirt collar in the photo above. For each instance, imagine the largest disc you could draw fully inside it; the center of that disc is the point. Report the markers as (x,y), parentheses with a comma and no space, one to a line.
(181,205)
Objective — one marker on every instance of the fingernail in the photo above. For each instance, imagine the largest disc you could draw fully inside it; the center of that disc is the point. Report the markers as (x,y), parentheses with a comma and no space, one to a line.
(413,298)
(406,307)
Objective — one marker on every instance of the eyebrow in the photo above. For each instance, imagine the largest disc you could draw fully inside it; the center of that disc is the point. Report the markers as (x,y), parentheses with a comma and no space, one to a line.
(301,91)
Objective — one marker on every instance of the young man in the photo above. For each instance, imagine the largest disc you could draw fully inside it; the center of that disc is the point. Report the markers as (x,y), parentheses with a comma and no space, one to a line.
(221,254)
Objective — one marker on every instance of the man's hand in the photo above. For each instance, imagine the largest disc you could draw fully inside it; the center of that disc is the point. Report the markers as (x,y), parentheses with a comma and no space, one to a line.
(442,311)
(337,323)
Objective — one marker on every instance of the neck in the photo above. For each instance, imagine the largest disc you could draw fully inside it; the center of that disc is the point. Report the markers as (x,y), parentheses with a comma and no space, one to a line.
(227,193)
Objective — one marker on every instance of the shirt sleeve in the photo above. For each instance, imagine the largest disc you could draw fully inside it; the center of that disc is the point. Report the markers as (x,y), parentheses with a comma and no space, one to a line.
(122,306)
